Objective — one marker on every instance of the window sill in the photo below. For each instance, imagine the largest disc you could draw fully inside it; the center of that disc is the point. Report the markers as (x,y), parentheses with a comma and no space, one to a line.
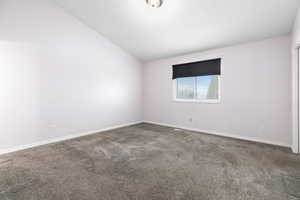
(218,101)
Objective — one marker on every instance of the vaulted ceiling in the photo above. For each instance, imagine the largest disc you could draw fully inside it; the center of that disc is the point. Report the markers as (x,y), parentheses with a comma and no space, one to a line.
(183,26)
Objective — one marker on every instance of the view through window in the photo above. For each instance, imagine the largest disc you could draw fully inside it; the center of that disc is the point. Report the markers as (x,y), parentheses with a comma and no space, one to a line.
(198,88)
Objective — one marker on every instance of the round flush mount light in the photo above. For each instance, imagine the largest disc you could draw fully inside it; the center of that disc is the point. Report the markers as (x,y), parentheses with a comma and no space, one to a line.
(155,3)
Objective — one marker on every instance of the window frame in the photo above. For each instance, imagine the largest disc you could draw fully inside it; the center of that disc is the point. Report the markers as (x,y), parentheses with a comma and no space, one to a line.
(207,101)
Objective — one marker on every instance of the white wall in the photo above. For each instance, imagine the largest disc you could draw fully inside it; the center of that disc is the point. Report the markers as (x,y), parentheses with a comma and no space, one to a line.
(255,93)
(58,77)
(296,30)
(295,75)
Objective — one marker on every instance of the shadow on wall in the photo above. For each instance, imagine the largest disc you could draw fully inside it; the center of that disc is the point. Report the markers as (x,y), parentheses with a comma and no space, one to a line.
(58,77)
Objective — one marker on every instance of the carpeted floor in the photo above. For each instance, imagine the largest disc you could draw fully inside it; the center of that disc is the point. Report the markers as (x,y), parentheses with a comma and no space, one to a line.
(149,162)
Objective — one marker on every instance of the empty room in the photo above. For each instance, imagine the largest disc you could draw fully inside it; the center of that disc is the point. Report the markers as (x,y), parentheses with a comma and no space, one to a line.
(149,100)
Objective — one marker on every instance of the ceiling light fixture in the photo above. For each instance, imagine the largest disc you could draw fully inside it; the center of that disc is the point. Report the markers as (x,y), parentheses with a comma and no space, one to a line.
(155,3)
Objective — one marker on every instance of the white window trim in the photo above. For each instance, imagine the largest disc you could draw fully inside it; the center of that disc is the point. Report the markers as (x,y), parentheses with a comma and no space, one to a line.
(209,101)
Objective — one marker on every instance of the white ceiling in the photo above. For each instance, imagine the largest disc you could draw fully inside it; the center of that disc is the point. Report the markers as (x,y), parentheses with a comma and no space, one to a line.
(183,26)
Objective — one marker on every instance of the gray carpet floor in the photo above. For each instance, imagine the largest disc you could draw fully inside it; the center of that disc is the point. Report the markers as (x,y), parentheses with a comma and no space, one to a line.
(149,162)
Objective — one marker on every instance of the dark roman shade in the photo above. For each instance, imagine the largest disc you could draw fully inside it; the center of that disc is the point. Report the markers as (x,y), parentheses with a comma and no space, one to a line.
(202,68)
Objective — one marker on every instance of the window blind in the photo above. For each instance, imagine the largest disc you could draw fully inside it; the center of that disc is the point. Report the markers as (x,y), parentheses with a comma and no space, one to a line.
(202,68)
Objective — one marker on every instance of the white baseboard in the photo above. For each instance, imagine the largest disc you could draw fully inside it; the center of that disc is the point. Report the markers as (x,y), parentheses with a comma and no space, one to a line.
(68,137)
(220,134)
(295,149)
(60,139)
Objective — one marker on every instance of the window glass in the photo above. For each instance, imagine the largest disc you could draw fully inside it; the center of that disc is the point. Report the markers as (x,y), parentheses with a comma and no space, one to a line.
(185,88)
(207,87)
(198,88)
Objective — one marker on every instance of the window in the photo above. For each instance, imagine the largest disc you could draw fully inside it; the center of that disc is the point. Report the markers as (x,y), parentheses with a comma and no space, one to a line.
(199,88)
(197,81)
